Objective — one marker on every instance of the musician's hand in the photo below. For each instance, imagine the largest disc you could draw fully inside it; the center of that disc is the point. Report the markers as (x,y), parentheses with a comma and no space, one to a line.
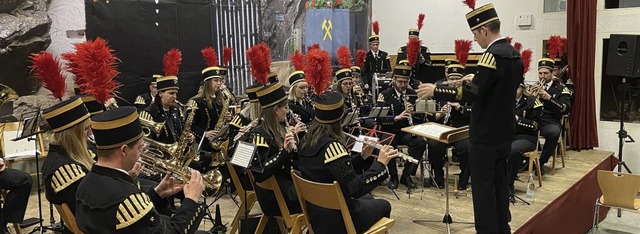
(194,188)
(468,78)
(211,133)
(445,108)
(455,105)
(190,138)
(288,142)
(367,149)
(2,166)
(401,116)
(426,90)
(422,60)
(409,107)
(544,95)
(357,89)
(300,127)
(228,116)
(168,186)
(135,171)
(255,122)
(386,154)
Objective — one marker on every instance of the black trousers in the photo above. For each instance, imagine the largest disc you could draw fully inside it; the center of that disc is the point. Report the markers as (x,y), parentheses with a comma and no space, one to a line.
(19,185)
(437,152)
(518,148)
(488,164)
(551,133)
(417,146)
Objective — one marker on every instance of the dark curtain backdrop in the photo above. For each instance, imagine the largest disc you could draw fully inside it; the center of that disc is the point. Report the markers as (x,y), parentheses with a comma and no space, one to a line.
(581,37)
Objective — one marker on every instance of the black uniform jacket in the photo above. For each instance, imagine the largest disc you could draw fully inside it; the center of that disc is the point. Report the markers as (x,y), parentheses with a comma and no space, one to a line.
(62,175)
(110,202)
(372,65)
(529,111)
(329,161)
(277,162)
(390,98)
(492,93)
(558,105)
(304,109)
(173,122)
(205,119)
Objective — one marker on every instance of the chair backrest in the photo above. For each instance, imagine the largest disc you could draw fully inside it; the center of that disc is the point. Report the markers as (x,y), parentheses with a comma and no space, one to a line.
(272,185)
(235,179)
(324,195)
(68,218)
(619,189)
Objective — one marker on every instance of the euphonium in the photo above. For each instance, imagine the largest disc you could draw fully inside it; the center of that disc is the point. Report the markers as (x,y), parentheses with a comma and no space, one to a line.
(161,150)
(212,180)
(149,126)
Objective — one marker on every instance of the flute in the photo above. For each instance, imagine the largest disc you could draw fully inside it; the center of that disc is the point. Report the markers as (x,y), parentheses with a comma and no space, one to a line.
(379,146)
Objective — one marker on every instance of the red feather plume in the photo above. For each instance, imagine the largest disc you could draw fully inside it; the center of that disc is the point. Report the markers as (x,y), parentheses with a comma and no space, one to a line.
(554,46)
(73,67)
(344,57)
(48,71)
(210,56)
(226,56)
(361,55)
(413,50)
(526,59)
(420,21)
(509,39)
(171,62)
(313,47)
(518,46)
(462,48)
(97,64)
(564,46)
(260,62)
(297,59)
(376,28)
(317,70)
(470,3)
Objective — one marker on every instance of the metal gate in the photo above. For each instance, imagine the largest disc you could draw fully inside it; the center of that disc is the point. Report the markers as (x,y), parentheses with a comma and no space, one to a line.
(237,23)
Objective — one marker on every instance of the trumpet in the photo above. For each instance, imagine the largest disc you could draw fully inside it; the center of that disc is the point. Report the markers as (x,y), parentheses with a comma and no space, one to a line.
(379,146)
(539,84)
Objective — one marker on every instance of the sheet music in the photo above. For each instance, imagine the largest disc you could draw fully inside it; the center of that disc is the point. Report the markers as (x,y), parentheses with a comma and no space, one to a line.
(17,149)
(243,154)
(357,146)
(431,130)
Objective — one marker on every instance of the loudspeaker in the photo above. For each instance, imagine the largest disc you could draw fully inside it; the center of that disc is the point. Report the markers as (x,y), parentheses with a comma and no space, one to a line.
(624,56)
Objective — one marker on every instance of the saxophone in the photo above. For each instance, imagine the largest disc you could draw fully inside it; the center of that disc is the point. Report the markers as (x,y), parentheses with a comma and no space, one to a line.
(184,158)
(220,141)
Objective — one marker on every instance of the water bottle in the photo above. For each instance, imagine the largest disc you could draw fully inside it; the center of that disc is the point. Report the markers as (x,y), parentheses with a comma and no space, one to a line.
(531,189)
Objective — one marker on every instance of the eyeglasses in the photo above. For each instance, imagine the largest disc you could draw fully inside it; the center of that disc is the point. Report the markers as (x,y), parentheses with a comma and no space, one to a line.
(217,80)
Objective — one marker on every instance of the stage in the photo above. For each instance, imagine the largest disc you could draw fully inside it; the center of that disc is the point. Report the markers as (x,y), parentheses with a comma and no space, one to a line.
(564,203)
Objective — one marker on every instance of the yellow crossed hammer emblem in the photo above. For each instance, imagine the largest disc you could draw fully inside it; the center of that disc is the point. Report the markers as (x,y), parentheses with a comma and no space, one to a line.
(327,26)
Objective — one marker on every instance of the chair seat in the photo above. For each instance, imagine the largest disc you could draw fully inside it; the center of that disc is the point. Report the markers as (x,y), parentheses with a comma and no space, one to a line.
(382,224)
(636,202)
(530,154)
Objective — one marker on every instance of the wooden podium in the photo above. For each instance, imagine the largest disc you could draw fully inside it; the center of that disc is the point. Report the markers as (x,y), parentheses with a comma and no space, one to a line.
(439,132)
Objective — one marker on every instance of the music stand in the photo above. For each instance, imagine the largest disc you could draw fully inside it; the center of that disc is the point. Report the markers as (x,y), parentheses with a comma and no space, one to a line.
(447,135)
(378,111)
(31,125)
(350,119)
(242,157)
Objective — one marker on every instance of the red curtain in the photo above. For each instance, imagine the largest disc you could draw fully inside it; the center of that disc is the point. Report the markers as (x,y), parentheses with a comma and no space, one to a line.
(581,39)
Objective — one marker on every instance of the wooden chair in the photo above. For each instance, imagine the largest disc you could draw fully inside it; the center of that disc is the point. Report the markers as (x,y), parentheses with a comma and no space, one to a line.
(250,197)
(561,148)
(294,222)
(68,218)
(534,159)
(619,190)
(330,196)
(3,197)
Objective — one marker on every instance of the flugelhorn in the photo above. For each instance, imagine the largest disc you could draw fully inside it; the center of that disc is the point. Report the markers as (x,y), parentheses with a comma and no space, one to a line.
(379,146)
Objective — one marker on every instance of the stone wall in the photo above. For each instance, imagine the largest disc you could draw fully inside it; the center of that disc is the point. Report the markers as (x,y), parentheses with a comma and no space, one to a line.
(24,29)
(279,18)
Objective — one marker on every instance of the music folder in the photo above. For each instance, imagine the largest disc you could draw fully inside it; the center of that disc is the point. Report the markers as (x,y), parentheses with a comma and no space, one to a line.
(243,155)
(439,132)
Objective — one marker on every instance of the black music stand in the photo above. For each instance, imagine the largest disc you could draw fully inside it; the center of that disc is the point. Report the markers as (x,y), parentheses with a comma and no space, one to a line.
(31,125)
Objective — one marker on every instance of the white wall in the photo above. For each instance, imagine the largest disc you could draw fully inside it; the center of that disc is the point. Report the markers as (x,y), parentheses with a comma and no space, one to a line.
(445,21)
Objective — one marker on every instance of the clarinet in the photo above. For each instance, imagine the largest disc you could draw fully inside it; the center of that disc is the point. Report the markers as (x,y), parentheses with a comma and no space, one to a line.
(379,146)
(406,105)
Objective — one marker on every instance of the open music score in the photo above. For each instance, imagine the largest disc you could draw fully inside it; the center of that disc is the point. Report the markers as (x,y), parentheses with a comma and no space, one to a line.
(244,154)
(439,132)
